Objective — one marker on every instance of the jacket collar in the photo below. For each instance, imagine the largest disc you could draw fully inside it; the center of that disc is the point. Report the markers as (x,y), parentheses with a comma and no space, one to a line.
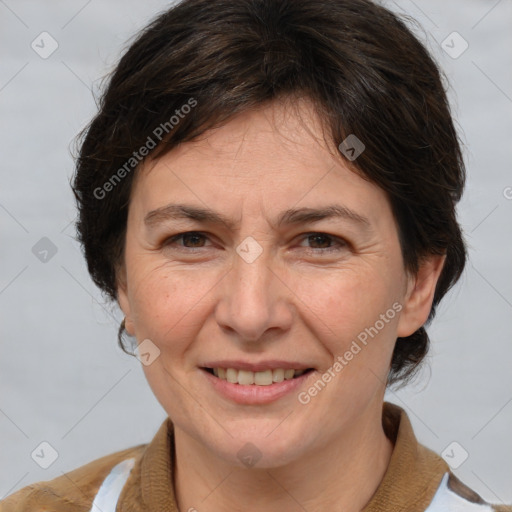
(414,472)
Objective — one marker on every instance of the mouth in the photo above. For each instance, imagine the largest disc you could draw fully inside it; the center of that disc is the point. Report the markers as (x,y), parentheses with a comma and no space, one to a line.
(266,377)
(256,383)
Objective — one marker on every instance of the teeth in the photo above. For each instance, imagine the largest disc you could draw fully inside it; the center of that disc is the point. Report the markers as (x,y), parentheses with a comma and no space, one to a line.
(264,378)
(278,375)
(232,375)
(245,378)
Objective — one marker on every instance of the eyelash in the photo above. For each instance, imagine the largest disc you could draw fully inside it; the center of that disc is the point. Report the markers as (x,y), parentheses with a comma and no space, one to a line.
(341,243)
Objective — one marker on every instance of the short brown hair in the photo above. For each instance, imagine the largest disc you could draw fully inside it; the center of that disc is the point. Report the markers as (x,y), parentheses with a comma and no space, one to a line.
(360,65)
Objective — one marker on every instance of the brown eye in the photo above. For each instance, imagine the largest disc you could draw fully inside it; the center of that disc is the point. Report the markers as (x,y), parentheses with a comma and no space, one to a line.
(323,243)
(191,240)
(320,239)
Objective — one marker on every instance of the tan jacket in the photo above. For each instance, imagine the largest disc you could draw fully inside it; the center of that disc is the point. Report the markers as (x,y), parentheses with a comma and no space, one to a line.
(417,479)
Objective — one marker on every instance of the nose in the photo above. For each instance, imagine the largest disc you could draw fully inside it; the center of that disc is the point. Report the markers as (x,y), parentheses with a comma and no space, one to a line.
(255,302)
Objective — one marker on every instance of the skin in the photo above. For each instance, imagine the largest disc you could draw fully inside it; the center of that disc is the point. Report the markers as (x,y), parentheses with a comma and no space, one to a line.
(199,301)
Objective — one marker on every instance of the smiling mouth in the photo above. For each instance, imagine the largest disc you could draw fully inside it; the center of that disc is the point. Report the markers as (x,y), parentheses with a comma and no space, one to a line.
(262,378)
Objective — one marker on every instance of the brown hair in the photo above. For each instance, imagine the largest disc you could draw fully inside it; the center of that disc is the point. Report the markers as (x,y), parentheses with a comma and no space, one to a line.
(361,66)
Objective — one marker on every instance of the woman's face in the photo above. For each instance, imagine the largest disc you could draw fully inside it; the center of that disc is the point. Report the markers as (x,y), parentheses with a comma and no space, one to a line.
(256,293)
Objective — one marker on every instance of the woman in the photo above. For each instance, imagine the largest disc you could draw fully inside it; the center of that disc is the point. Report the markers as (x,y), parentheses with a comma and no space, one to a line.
(231,137)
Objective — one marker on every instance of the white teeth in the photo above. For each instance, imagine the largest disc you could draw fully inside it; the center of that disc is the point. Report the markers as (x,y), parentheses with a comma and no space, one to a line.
(232,375)
(278,375)
(245,378)
(288,374)
(263,378)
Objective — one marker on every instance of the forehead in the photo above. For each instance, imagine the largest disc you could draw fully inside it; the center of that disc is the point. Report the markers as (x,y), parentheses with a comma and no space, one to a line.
(265,160)
(291,128)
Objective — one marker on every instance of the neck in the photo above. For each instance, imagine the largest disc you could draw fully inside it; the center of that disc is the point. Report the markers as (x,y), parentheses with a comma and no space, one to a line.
(341,475)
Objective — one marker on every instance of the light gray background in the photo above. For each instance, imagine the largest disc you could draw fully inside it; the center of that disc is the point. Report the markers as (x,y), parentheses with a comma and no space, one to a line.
(63,378)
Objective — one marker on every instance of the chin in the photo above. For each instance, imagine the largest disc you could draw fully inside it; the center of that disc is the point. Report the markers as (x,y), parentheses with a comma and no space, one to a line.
(259,448)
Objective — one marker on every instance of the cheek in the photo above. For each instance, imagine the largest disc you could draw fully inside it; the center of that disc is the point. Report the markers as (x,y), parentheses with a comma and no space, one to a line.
(346,301)
(166,303)
(351,313)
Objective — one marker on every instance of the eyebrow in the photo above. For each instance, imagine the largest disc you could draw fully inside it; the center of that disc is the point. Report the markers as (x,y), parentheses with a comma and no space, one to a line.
(287,217)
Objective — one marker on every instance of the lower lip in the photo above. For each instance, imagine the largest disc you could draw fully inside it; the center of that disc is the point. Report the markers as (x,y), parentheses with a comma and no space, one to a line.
(254,394)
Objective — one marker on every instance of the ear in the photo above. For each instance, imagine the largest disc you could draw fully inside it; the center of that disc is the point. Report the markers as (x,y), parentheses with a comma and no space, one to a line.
(124,302)
(420,295)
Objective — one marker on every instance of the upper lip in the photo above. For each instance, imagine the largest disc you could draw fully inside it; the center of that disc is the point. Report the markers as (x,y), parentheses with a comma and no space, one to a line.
(256,367)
